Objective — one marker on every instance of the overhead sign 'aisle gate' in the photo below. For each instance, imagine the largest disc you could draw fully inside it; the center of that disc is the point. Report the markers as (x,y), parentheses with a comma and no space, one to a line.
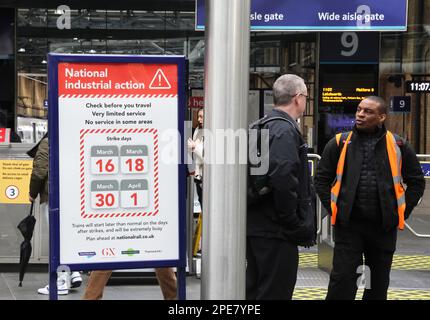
(322,15)
(115,201)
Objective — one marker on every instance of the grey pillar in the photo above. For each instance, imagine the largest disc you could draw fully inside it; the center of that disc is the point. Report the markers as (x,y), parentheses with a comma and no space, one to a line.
(226,107)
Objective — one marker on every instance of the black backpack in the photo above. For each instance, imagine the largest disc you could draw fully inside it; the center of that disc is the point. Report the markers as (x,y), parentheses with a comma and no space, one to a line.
(258,160)
(258,189)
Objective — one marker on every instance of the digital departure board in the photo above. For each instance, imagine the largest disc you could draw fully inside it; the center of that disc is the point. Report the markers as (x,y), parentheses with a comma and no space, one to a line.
(344,86)
(340,95)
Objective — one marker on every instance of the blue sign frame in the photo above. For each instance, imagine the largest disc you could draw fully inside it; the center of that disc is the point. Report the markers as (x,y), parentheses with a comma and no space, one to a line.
(321,15)
(54,186)
(425,166)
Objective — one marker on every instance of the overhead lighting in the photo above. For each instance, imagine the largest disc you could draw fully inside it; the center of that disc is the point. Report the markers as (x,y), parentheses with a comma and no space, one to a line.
(44,61)
(21,50)
(75,39)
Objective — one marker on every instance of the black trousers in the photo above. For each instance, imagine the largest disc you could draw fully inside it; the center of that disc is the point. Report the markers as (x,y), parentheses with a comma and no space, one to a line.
(271,271)
(351,243)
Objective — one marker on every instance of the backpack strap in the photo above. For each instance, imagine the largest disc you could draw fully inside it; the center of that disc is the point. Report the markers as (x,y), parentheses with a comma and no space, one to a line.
(399,140)
(341,138)
(265,121)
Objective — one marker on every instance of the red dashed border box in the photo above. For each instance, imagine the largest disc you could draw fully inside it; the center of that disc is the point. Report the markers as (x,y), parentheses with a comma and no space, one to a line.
(83,132)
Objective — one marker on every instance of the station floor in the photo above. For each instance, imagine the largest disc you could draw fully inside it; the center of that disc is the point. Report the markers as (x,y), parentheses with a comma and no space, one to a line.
(410,280)
(410,275)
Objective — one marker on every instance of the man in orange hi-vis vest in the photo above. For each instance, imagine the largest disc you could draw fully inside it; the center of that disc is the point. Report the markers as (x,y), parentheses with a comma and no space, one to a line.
(369,180)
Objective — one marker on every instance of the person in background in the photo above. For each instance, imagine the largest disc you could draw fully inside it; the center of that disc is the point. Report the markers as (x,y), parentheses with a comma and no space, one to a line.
(39,187)
(195,146)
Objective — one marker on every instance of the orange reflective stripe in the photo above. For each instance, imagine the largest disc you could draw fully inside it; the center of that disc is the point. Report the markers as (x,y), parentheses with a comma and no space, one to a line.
(333,212)
(333,201)
(335,190)
(392,154)
(401,211)
(395,158)
(338,138)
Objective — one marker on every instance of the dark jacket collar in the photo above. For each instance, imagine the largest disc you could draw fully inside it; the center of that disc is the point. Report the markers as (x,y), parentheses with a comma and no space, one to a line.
(279,113)
(379,134)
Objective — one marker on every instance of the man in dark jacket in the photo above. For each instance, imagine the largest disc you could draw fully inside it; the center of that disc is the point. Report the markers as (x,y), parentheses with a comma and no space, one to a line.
(275,226)
(367,209)
(39,187)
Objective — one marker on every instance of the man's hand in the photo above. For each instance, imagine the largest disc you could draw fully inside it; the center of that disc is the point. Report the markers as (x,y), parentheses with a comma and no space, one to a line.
(30,198)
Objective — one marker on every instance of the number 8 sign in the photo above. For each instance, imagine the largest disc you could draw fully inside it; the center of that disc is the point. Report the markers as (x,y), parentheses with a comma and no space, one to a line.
(134,159)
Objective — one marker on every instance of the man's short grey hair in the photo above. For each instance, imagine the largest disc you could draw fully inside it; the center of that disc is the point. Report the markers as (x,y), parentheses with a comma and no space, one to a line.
(286,87)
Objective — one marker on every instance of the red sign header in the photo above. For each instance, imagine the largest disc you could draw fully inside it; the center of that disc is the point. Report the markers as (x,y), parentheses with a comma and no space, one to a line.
(196,102)
(117,79)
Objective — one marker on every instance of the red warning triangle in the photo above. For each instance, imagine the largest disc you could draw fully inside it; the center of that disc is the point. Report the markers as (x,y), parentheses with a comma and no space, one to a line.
(159,81)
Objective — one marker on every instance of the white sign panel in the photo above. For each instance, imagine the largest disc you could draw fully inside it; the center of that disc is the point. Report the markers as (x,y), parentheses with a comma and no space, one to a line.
(118,162)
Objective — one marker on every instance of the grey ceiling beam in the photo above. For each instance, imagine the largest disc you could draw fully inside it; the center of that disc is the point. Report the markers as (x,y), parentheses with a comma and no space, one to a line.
(155,5)
(123,34)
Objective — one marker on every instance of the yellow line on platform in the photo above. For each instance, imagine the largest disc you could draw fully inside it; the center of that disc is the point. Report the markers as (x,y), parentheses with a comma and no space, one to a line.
(315,293)
(400,262)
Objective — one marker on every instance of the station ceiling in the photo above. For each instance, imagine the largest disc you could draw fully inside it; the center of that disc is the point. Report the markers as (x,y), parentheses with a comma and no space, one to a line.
(179,5)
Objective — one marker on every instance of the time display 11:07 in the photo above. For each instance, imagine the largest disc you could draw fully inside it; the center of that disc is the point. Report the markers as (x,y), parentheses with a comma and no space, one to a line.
(417,86)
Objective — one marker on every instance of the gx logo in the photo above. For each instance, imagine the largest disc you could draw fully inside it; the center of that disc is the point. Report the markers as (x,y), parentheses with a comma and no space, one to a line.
(108,252)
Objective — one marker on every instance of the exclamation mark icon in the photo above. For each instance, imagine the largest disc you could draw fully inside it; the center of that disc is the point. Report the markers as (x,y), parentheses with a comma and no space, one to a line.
(159,81)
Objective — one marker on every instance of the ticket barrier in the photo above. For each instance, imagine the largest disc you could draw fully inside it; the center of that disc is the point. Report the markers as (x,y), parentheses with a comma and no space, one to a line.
(425,165)
(325,243)
(324,231)
(15,170)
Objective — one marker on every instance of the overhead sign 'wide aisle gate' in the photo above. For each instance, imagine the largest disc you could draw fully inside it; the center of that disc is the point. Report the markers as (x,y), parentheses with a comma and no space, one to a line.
(117,195)
(322,15)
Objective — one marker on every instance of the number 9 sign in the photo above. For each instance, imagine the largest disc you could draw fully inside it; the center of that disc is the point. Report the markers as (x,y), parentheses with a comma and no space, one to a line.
(349,40)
